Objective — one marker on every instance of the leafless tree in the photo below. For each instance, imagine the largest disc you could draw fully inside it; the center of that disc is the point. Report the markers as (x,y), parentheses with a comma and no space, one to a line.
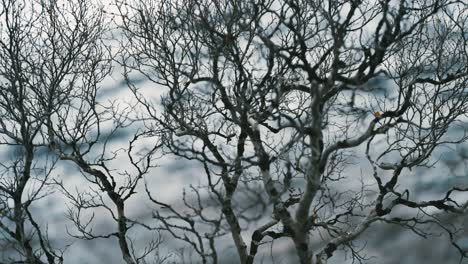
(80,131)
(53,59)
(308,120)
(42,50)
(279,99)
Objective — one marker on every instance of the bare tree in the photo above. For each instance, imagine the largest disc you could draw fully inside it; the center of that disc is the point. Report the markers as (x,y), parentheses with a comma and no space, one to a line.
(81,130)
(53,60)
(308,120)
(42,50)
(278,99)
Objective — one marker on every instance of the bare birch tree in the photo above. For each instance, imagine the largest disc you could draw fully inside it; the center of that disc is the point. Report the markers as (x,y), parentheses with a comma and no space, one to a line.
(277,99)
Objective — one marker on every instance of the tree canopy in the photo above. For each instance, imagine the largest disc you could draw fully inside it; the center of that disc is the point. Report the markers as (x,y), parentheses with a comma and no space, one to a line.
(306,122)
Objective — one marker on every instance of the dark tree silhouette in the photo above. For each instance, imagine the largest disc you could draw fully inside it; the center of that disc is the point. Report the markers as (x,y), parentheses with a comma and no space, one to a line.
(308,122)
(278,99)
(45,50)
(53,59)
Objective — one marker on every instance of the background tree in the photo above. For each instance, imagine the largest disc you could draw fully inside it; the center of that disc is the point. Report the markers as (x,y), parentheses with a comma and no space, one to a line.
(53,61)
(82,130)
(44,49)
(278,99)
